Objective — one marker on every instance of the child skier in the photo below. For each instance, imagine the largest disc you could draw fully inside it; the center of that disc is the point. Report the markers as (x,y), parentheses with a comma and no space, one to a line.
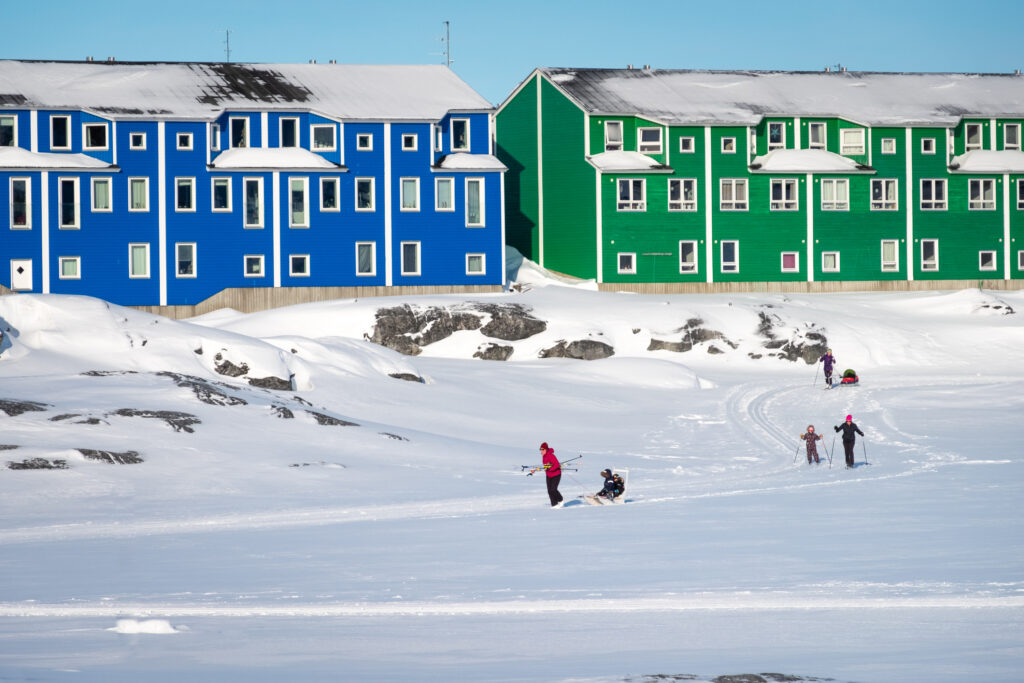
(850,431)
(811,440)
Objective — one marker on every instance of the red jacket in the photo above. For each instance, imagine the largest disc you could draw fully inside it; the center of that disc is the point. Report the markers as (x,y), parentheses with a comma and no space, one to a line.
(554,468)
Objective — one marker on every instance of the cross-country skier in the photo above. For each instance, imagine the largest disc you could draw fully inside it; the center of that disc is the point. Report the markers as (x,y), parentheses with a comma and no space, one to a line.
(849,430)
(829,360)
(553,469)
(812,447)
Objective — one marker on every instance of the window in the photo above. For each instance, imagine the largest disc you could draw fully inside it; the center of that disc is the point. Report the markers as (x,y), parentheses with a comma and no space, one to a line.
(830,261)
(69,267)
(253,189)
(734,194)
(60,133)
(682,194)
(298,202)
(790,262)
(289,132)
(730,255)
(776,135)
(632,193)
(927,145)
(972,136)
(323,138)
(221,194)
(816,135)
(648,140)
(474,202)
(890,256)
(1020,260)
(21,203)
(329,195)
(364,194)
(94,136)
(688,256)
(444,199)
(884,194)
(185,258)
(298,265)
(438,138)
(1011,136)
(410,194)
(627,263)
(239,130)
(784,195)
(253,265)
(612,136)
(1020,195)
(137,141)
(184,194)
(986,260)
(101,194)
(138,194)
(215,137)
(929,254)
(410,258)
(687,145)
(851,141)
(364,142)
(67,189)
(835,194)
(476,264)
(409,142)
(460,135)
(728,145)
(138,260)
(888,145)
(981,194)
(933,194)
(366,258)
(8,131)
(184,141)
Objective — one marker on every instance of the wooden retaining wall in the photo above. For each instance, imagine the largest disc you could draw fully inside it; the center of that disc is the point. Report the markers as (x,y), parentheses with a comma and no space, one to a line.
(808,287)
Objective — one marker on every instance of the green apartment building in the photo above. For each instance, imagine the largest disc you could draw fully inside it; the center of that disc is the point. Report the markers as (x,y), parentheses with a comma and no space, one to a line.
(682,180)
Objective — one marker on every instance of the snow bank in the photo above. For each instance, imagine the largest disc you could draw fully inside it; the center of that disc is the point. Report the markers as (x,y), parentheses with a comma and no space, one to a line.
(157,627)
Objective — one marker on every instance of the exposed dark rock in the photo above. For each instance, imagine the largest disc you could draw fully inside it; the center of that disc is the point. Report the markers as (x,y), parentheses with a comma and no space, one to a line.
(321,464)
(510,322)
(282,412)
(493,352)
(63,416)
(126,458)
(38,464)
(806,345)
(693,333)
(7,447)
(198,351)
(714,350)
(271,382)
(180,422)
(229,369)
(396,437)
(407,376)
(739,678)
(407,329)
(108,373)
(301,401)
(755,356)
(15,408)
(208,392)
(581,349)
(329,421)
(90,421)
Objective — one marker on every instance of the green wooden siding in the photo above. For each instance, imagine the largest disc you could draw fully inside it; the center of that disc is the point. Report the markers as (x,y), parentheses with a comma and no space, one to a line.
(516,147)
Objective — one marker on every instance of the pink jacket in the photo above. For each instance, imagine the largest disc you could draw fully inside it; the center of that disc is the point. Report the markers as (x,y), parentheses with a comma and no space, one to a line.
(554,468)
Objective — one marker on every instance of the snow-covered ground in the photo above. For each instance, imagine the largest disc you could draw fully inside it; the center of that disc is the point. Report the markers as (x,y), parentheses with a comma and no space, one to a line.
(386,531)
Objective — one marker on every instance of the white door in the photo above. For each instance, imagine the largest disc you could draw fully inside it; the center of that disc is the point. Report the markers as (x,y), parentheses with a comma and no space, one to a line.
(21,274)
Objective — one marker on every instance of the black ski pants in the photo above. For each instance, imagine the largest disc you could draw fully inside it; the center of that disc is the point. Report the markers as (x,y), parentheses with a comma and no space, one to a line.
(553,493)
(848,447)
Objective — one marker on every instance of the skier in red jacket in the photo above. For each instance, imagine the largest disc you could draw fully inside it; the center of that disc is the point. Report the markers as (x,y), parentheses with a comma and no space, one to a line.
(553,468)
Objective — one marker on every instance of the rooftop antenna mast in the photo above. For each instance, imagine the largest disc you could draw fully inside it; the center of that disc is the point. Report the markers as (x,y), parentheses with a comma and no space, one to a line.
(447,40)
(227,45)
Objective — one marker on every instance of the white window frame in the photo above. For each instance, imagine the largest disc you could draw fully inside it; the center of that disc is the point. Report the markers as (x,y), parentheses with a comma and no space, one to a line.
(110,193)
(929,266)
(177,260)
(729,266)
(835,204)
(183,141)
(131,261)
(688,267)
(28,202)
(894,265)
(733,204)
(483,264)
(14,127)
(364,142)
(291,265)
(245,265)
(438,138)
(1014,127)
(86,126)
(632,202)
(851,142)
(928,146)
(811,127)
(834,255)
(77,260)
(649,147)
(329,180)
(145,183)
(214,137)
(729,145)
(687,144)
(787,202)
(781,126)
(888,145)
(231,132)
(890,192)
(682,204)
(131,141)
(60,203)
(189,182)
(402,195)
(934,204)
(259,202)
(479,182)
(306,209)
(630,267)
(467,146)
(333,147)
(1020,259)
(1020,194)
(983,203)
(419,259)
(67,127)
(373,194)
(373,259)
(293,121)
(414,139)
(968,146)
(993,255)
(796,260)
(610,143)
(451,194)
(213,194)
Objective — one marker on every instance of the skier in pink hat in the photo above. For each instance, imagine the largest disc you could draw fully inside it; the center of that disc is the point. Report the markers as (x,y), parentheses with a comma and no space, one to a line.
(849,430)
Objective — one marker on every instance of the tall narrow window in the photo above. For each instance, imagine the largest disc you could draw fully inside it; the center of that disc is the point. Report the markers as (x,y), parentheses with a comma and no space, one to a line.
(410,194)
(890,256)
(730,255)
(733,194)
(215,137)
(138,260)
(444,198)
(776,135)
(648,140)
(438,138)
(94,136)
(221,194)
(1011,136)
(239,129)
(298,194)
(253,202)
(688,256)
(1020,195)
(289,132)
(682,194)
(972,136)
(460,135)
(101,194)
(184,194)
(68,200)
(835,194)
(933,194)
(883,194)
(474,202)
(21,205)
(329,194)
(8,131)
(60,132)
(981,194)
(366,258)
(410,258)
(138,194)
(816,135)
(323,138)
(632,194)
(929,255)
(612,136)
(364,194)
(783,194)
(185,258)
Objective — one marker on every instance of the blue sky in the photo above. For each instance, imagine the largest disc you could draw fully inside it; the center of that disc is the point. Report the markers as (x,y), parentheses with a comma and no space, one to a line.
(496,45)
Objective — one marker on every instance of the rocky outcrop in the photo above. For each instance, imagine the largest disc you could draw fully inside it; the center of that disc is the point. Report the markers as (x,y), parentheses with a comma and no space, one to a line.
(493,352)
(407,376)
(330,421)
(581,349)
(808,344)
(114,458)
(14,408)
(275,383)
(38,464)
(213,393)
(693,333)
(510,322)
(407,329)
(229,369)
(178,421)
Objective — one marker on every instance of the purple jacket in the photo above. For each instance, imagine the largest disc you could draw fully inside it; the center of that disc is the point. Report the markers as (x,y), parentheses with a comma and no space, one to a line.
(829,360)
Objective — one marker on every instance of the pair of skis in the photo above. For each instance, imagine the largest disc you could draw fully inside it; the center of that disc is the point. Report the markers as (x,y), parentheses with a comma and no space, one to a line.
(531,469)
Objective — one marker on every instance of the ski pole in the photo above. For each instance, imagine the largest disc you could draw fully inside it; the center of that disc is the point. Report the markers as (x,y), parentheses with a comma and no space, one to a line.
(833,450)
(796,452)
(815,374)
(865,449)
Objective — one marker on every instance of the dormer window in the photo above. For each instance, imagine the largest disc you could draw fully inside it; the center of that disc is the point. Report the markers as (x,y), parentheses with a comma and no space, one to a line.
(776,135)
(289,132)
(239,128)
(612,136)
(60,132)
(648,140)
(460,135)
(94,135)
(816,135)
(972,136)
(8,131)
(1011,136)
(323,138)
(851,141)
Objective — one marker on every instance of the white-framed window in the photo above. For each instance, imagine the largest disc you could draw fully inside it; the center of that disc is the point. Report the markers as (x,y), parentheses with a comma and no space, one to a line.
(888,145)
(460,135)
(835,194)
(438,138)
(729,254)
(410,142)
(475,203)
(444,194)
(410,190)
(238,128)
(884,194)
(790,261)
(1020,260)
(364,194)
(184,141)
(612,136)
(733,193)
(220,194)
(329,194)
(816,135)
(890,256)
(776,135)
(137,141)
(929,255)
(298,265)
(298,202)
(1020,195)
(851,141)
(101,197)
(476,264)
(648,140)
(364,142)
(138,194)
(987,260)
(687,144)
(184,194)
(60,132)
(981,194)
(830,261)
(288,131)
(933,194)
(410,258)
(928,146)
(214,137)
(687,256)
(973,136)
(323,135)
(138,260)
(94,136)
(632,194)
(682,194)
(1011,136)
(21,203)
(8,131)
(366,259)
(252,265)
(626,261)
(252,189)
(69,202)
(729,145)
(784,195)
(69,267)
(185,259)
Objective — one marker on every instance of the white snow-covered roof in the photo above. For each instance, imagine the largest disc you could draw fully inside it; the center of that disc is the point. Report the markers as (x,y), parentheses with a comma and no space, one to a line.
(805,161)
(18,158)
(626,162)
(988,161)
(461,161)
(194,90)
(744,97)
(245,158)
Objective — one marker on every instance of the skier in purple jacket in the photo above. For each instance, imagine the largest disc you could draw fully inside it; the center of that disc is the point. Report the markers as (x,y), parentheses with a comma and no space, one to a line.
(829,360)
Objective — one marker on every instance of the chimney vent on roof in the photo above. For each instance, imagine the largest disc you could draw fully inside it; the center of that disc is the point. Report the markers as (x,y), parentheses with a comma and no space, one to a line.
(843,69)
(334,61)
(1016,72)
(89,58)
(828,69)
(647,67)
(629,66)
(312,61)
(110,59)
